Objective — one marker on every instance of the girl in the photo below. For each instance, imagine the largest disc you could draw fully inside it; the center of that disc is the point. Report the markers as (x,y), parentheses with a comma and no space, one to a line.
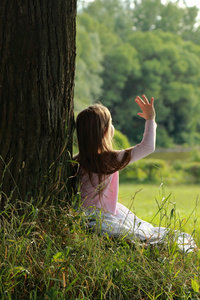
(98,174)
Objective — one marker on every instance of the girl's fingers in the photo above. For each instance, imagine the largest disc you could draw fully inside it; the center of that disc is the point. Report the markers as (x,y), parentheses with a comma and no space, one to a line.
(139,100)
(145,99)
(147,107)
(152,100)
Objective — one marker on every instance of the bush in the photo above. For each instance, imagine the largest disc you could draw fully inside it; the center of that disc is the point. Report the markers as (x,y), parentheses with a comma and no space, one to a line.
(120,141)
(195,155)
(132,172)
(193,169)
(144,170)
(163,140)
(153,168)
(178,165)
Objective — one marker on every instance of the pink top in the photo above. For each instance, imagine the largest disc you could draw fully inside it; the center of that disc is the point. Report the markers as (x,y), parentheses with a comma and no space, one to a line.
(107,200)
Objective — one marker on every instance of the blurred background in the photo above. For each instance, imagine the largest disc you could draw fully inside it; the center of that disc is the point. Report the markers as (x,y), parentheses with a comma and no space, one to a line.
(127,48)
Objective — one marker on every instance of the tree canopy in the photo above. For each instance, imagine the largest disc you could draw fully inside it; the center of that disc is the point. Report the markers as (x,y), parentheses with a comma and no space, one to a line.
(129,48)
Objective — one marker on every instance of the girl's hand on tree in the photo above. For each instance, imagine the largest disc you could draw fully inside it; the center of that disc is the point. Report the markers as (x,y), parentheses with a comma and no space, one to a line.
(148,111)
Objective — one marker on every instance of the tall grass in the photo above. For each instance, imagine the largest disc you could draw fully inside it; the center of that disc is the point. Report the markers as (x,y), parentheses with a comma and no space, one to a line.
(184,197)
(49,253)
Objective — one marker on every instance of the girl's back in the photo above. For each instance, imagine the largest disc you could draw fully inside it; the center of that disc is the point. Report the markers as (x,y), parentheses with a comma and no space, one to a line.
(99,163)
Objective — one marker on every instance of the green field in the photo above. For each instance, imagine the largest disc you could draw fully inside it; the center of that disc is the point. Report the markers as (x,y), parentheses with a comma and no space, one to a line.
(49,253)
(141,199)
(183,154)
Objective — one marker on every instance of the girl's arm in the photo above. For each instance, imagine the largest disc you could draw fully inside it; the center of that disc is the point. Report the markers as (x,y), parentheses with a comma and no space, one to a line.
(147,145)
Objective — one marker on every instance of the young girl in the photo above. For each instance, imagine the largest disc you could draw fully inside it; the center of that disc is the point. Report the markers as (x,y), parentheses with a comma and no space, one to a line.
(98,174)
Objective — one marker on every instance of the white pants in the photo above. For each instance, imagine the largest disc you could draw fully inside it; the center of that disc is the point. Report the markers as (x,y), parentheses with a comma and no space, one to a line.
(127,224)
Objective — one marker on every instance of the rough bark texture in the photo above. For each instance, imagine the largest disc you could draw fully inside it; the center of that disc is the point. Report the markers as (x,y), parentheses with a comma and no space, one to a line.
(37,62)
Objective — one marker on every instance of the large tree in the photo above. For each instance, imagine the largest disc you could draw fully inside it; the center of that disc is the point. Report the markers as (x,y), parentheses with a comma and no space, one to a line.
(146,57)
(37,64)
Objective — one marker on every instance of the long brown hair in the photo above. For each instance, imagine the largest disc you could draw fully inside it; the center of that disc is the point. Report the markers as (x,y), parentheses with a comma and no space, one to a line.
(96,154)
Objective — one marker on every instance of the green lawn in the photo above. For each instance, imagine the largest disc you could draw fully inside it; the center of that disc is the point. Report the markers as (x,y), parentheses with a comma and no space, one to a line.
(171,156)
(144,204)
(49,253)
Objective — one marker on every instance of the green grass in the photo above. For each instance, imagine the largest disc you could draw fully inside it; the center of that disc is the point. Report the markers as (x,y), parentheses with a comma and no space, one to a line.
(172,156)
(48,253)
(144,205)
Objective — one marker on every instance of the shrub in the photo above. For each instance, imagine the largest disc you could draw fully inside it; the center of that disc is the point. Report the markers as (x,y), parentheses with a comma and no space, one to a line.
(120,141)
(193,169)
(178,165)
(144,170)
(195,155)
(132,172)
(153,168)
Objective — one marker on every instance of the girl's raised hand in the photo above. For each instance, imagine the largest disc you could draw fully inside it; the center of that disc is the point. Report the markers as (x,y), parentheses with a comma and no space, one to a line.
(148,111)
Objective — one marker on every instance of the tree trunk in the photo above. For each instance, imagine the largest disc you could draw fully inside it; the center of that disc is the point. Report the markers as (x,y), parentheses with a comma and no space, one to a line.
(37,64)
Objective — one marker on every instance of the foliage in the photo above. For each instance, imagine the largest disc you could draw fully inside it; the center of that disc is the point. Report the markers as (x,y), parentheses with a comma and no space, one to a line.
(193,168)
(173,167)
(142,49)
(152,14)
(170,79)
(120,141)
(88,67)
(48,253)
(148,170)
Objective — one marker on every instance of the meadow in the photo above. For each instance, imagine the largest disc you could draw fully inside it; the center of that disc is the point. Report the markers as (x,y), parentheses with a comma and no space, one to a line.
(144,201)
(48,252)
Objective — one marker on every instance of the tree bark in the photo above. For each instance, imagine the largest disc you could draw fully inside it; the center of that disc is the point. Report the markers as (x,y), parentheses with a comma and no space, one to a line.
(37,65)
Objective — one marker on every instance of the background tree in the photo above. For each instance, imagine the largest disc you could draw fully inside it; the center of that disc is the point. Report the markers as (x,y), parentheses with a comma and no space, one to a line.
(88,81)
(37,63)
(142,52)
(151,15)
